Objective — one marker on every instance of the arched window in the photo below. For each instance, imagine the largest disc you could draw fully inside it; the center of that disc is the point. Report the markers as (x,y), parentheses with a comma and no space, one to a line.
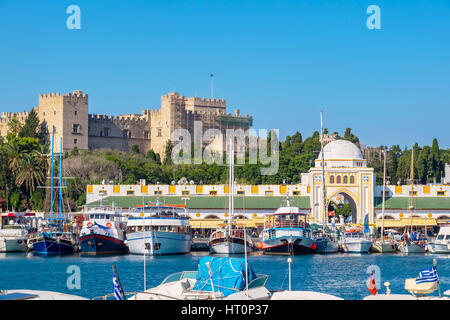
(338,180)
(345,179)
(352,179)
(332,179)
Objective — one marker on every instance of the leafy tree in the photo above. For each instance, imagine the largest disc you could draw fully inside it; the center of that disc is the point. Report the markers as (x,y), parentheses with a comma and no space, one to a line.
(31,127)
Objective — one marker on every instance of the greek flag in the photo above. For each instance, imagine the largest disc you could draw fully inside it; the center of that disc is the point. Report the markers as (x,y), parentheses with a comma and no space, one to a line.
(118,293)
(427,275)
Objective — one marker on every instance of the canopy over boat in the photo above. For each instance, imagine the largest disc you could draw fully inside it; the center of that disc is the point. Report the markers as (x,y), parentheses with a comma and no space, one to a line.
(228,275)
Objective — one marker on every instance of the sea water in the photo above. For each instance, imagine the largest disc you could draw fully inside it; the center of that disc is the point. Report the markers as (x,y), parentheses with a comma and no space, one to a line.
(343,275)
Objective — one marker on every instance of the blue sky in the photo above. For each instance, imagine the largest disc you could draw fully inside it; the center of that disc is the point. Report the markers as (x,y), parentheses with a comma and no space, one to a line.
(280,61)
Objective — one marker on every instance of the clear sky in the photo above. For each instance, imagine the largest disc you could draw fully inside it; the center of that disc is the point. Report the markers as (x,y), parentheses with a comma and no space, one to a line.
(280,61)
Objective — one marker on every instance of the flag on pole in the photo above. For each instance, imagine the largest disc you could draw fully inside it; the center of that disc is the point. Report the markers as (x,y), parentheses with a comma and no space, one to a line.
(118,291)
(427,275)
(366,223)
(372,284)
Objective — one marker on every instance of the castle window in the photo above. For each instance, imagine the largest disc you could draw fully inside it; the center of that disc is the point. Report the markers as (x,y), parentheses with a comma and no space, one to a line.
(106,131)
(332,179)
(101,133)
(125,133)
(352,179)
(345,179)
(146,134)
(76,112)
(338,180)
(159,132)
(54,113)
(75,141)
(75,128)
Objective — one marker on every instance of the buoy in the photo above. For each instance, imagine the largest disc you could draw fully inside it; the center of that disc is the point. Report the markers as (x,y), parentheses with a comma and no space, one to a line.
(259,245)
(313,246)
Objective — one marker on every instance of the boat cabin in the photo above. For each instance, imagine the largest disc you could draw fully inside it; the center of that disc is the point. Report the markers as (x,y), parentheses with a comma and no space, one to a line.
(286,217)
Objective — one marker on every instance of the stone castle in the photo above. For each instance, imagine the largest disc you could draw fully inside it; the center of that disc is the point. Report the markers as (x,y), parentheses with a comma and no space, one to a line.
(69,115)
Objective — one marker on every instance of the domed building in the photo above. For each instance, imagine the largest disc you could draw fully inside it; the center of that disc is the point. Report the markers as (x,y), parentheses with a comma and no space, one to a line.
(347,180)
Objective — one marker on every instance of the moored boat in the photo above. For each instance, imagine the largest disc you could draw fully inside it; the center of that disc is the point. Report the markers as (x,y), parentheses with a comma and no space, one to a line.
(354,241)
(103,232)
(286,231)
(442,242)
(158,230)
(325,243)
(14,233)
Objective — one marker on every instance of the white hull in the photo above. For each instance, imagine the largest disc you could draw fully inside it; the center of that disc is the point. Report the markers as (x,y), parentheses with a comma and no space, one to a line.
(385,247)
(228,248)
(412,248)
(13,244)
(160,243)
(356,246)
(439,248)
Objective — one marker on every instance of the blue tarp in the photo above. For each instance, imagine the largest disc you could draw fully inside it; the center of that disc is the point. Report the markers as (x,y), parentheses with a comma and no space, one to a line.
(227,275)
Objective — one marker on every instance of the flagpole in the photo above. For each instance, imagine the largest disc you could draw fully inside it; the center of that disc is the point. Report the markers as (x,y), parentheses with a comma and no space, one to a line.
(120,283)
(439,285)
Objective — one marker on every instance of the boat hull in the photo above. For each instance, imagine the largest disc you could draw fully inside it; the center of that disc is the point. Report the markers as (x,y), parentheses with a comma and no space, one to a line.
(228,246)
(159,243)
(412,248)
(326,246)
(362,246)
(288,245)
(18,244)
(383,247)
(97,244)
(52,246)
(439,248)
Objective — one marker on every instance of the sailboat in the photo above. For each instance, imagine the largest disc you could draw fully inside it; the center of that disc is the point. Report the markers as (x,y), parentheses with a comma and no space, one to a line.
(382,245)
(323,241)
(230,239)
(54,241)
(410,245)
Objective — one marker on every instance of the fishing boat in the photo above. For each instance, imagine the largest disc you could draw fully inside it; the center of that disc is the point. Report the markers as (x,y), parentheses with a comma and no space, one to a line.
(355,241)
(324,241)
(442,242)
(158,230)
(384,245)
(56,239)
(231,238)
(286,231)
(411,244)
(103,232)
(14,232)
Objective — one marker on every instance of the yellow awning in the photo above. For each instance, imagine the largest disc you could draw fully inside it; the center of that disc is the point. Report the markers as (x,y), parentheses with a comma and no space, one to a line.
(215,223)
(416,222)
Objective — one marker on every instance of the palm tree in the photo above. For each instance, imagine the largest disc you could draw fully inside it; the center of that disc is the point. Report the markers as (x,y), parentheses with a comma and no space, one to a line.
(30,172)
(14,126)
(15,154)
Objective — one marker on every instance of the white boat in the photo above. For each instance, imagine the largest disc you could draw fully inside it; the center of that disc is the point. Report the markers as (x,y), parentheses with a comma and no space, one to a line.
(14,234)
(24,294)
(286,231)
(442,242)
(159,230)
(102,232)
(384,246)
(412,247)
(354,241)
(232,238)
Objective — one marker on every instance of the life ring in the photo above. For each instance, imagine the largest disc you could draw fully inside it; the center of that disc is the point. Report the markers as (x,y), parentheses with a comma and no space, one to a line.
(277,224)
(108,225)
(90,224)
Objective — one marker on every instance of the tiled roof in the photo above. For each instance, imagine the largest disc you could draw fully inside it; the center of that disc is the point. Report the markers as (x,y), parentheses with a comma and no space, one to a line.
(419,203)
(210,202)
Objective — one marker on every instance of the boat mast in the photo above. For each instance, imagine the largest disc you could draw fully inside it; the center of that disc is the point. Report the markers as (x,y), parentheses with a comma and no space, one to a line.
(411,205)
(51,187)
(384,196)
(323,175)
(60,183)
(231,184)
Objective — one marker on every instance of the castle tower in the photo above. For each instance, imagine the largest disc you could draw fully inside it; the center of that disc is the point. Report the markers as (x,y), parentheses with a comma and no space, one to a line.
(68,114)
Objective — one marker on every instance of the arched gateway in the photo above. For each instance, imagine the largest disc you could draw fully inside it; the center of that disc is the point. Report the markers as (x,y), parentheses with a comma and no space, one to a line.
(347,179)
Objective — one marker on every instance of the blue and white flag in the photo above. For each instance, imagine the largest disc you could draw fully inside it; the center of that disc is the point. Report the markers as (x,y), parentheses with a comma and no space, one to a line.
(118,293)
(366,223)
(428,275)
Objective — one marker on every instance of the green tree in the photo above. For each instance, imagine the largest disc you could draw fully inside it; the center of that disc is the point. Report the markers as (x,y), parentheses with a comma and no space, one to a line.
(31,126)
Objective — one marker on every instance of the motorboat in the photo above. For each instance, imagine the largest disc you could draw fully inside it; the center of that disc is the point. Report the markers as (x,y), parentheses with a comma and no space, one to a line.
(102,232)
(13,234)
(442,242)
(354,241)
(158,229)
(384,245)
(25,294)
(286,231)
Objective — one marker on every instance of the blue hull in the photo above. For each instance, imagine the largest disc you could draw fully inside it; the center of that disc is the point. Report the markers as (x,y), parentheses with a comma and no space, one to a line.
(50,246)
(94,244)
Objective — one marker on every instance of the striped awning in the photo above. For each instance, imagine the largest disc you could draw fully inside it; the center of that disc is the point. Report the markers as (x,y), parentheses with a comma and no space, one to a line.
(416,222)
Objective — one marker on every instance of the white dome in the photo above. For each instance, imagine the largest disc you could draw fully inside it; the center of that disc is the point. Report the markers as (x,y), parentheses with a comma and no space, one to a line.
(341,150)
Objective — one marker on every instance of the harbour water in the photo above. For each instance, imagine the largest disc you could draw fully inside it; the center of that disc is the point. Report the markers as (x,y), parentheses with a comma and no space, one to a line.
(343,275)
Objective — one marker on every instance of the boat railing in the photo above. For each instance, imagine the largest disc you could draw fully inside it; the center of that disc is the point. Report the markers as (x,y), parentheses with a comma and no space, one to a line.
(291,224)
